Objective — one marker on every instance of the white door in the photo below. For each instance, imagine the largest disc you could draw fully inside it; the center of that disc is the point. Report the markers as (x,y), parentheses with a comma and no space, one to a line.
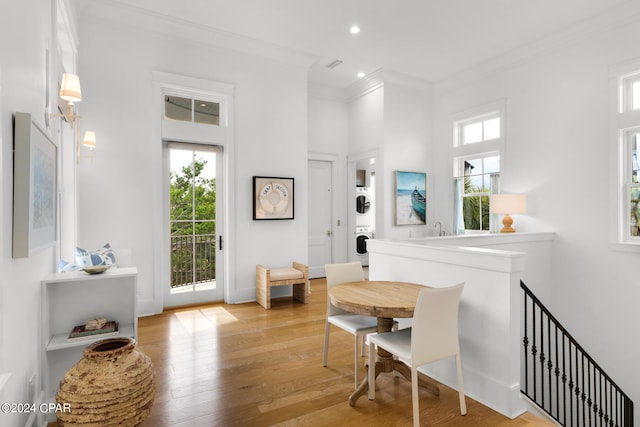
(320,208)
(195,228)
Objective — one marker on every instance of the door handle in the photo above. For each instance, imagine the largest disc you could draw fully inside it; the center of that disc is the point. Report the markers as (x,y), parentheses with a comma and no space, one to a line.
(329,233)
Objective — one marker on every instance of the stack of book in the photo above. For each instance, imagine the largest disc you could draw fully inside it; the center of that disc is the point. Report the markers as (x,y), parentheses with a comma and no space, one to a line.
(93,328)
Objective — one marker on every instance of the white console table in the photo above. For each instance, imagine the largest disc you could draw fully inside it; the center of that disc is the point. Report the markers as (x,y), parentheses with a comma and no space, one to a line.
(69,299)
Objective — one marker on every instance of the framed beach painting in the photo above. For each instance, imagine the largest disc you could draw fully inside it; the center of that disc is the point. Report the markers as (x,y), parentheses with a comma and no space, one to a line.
(272,198)
(411,198)
(35,174)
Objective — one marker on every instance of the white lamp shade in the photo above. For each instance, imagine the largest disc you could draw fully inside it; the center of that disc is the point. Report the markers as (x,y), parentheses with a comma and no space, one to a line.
(508,203)
(89,139)
(70,88)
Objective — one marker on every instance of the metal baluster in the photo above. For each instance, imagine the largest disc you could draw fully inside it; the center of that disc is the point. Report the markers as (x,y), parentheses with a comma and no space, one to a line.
(542,357)
(570,384)
(525,343)
(590,401)
(600,413)
(579,385)
(564,381)
(549,362)
(534,351)
(557,372)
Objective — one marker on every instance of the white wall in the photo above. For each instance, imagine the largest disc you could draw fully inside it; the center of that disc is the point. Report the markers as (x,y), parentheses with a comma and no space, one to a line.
(26,30)
(407,147)
(392,115)
(119,191)
(366,121)
(557,152)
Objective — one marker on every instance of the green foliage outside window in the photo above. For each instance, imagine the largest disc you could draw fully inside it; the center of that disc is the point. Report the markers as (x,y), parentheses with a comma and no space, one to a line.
(187,187)
(475,207)
(193,226)
(635,212)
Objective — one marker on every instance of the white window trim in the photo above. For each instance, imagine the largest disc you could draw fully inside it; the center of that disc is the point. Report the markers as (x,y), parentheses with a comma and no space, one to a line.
(486,111)
(623,121)
(493,147)
(223,135)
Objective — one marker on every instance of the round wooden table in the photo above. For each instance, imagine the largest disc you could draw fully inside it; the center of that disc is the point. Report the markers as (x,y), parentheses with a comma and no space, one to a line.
(385,300)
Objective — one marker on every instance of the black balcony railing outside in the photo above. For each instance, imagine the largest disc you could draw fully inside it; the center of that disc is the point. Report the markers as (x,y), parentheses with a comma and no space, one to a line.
(562,379)
(193,259)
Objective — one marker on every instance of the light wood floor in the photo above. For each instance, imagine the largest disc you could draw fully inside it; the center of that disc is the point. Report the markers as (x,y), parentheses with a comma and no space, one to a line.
(241,365)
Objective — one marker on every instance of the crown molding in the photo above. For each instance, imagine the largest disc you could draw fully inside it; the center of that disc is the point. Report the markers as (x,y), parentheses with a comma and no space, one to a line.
(627,13)
(156,23)
(380,77)
(411,82)
(365,85)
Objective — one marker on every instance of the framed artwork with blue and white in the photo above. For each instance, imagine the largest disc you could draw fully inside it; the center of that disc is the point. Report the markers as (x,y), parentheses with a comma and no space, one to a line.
(411,198)
(35,172)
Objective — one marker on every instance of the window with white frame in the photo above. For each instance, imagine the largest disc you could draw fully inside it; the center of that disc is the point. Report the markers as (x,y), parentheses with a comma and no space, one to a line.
(631,185)
(192,110)
(479,177)
(628,130)
(478,129)
(478,141)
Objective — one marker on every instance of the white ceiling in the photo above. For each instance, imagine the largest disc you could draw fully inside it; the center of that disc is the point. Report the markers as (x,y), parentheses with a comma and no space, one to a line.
(428,39)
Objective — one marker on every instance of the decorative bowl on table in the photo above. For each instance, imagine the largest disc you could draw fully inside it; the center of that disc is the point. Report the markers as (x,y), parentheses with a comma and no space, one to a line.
(96,269)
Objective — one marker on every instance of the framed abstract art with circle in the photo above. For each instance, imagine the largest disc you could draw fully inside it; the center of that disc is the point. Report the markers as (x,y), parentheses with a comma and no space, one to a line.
(272,198)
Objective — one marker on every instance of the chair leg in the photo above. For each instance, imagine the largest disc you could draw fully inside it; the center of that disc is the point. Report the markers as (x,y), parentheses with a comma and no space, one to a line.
(364,339)
(327,329)
(414,397)
(463,405)
(396,374)
(372,371)
(355,361)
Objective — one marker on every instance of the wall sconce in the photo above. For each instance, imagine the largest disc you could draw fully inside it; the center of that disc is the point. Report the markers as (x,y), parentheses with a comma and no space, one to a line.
(508,204)
(89,140)
(70,92)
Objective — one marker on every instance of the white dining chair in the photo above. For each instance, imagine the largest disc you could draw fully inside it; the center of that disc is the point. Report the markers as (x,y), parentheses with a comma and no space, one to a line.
(433,336)
(357,325)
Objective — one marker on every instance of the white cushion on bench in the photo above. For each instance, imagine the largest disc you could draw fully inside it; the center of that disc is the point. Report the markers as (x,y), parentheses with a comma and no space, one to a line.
(285,274)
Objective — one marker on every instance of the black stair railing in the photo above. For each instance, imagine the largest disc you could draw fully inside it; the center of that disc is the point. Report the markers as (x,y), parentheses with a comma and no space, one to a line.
(562,379)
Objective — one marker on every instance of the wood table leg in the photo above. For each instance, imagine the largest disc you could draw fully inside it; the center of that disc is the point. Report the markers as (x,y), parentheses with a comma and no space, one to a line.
(386,363)
(423,380)
(363,388)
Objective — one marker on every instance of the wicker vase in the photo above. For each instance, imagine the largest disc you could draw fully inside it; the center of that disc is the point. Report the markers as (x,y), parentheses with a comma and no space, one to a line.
(113,384)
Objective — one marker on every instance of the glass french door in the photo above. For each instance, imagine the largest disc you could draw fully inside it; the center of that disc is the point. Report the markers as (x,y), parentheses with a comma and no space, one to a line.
(195,244)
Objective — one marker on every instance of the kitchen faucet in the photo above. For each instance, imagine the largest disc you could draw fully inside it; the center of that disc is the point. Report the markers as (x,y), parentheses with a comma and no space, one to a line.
(439,225)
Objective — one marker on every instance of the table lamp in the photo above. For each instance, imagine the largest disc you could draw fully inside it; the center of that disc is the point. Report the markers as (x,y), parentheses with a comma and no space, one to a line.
(508,204)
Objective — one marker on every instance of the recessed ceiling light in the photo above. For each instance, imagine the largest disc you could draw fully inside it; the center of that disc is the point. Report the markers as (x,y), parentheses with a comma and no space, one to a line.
(354,29)
(361,74)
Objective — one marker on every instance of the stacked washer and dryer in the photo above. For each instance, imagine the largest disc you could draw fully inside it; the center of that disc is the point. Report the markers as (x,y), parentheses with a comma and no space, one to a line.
(364,223)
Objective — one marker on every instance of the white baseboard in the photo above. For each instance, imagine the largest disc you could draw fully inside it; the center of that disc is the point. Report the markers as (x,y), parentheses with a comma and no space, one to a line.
(499,396)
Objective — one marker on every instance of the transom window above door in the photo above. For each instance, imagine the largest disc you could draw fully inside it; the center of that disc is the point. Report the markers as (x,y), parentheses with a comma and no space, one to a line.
(191,110)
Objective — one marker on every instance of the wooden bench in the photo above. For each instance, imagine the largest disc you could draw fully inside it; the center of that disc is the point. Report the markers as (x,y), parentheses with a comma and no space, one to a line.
(296,275)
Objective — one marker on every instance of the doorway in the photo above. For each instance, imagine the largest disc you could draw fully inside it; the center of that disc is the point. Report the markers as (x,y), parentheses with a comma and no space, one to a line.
(320,221)
(363,207)
(195,244)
